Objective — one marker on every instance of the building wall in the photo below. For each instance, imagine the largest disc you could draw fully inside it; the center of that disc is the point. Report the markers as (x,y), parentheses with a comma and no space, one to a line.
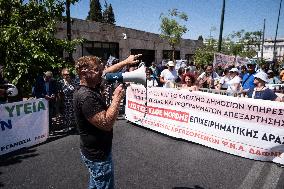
(94,31)
(268,49)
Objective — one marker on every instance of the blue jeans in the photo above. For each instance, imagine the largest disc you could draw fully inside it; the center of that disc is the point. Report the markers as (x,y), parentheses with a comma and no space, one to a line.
(101,173)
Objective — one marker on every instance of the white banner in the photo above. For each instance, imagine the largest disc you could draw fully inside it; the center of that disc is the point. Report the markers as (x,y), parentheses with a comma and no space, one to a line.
(23,124)
(245,127)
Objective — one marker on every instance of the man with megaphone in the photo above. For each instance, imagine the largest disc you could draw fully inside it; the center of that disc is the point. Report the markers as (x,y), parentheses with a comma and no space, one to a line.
(94,119)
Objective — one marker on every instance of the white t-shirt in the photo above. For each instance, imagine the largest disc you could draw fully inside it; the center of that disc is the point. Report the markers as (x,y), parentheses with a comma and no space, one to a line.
(224,82)
(232,82)
(169,75)
(152,83)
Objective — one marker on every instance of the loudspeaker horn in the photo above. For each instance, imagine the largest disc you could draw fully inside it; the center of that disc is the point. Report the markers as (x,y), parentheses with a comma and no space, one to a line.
(136,76)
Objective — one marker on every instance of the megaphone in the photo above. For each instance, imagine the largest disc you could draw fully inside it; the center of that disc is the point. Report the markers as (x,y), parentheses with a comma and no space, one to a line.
(136,76)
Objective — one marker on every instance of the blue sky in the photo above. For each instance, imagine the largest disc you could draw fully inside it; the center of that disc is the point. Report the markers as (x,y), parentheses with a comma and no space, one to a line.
(203,15)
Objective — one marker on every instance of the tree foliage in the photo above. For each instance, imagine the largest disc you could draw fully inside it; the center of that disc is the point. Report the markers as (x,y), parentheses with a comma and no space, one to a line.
(28,46)
(95,12)
(108,14)
(241,43)
(171,29)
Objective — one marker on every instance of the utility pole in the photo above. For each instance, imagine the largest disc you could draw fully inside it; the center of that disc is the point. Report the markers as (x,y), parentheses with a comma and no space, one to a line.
(263,30)
(221,27)
(274,47)
(68,17)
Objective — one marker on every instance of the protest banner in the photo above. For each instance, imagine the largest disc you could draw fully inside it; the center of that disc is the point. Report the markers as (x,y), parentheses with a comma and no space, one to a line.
(249,128)
(226,60)
(223,60)
(23,124)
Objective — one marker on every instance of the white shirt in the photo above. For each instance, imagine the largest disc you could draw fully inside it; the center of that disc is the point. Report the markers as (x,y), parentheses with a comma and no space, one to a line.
(152,83)
(232,82)
(169,75)
(224,81)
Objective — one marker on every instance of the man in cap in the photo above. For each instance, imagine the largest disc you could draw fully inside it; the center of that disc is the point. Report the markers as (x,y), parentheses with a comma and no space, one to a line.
(248,78)
(260,91)
(168,75)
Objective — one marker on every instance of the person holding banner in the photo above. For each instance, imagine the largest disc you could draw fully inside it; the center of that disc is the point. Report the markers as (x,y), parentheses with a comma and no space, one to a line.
(206,79)
(168,76)
(95,119)
(234,83)
(260,91)
(188,82)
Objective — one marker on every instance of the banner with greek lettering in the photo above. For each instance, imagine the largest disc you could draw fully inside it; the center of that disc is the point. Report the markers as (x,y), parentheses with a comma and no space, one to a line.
(245,127)
(225,61)
(23,124)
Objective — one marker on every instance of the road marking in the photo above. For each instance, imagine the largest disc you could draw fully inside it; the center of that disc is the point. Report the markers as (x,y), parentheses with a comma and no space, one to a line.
(272,178)
(252,175)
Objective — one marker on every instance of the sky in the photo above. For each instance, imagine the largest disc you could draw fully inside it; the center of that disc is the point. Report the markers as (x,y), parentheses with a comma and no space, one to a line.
(203,15)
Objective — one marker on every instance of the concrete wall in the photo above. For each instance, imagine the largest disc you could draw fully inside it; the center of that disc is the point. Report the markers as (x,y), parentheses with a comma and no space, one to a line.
(94,31)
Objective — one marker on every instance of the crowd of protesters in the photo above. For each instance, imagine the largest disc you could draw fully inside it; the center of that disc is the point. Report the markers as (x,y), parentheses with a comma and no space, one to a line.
(247,81)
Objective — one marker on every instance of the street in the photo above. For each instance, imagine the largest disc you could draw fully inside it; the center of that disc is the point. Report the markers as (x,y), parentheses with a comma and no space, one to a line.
(142,159)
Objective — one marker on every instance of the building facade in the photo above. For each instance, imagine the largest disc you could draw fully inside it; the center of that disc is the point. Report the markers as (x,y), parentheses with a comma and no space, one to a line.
(268,47)
(104,40)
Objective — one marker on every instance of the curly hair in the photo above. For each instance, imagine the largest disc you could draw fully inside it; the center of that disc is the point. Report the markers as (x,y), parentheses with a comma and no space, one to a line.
(86,62)
(192,78)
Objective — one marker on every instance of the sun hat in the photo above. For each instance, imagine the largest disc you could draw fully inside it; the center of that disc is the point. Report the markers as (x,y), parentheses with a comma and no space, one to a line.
(262,75)
(171,63)
(234,70)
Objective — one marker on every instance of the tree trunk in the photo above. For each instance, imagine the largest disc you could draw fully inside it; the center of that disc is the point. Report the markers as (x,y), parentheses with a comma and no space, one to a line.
(173,54)
(70,57)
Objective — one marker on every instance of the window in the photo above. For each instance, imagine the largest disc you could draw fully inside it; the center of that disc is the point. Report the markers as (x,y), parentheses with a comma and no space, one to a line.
(100,49)
(168,54)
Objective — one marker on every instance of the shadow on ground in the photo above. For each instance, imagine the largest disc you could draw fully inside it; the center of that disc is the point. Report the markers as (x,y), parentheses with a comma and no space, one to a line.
(16,157)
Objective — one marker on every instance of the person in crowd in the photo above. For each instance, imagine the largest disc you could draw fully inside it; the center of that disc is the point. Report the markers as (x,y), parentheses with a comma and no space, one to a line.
(180,72)
(190,67)
(169,75)
(206,79)
(188,82)
(243,71)
(248,78)
(234,84)
(219,70)
(66,89)
(260,91)
(223,83)
(46,87)
(151,81)
(281,74)
(95,120)
(156,72)
(272,78)
(3,88)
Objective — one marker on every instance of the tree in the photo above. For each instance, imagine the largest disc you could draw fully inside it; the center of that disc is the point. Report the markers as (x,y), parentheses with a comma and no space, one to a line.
(171,30)
(108,15)
(111,15)
(28,46)
(238,43)
(205,54)
(68,22)
(95,12)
